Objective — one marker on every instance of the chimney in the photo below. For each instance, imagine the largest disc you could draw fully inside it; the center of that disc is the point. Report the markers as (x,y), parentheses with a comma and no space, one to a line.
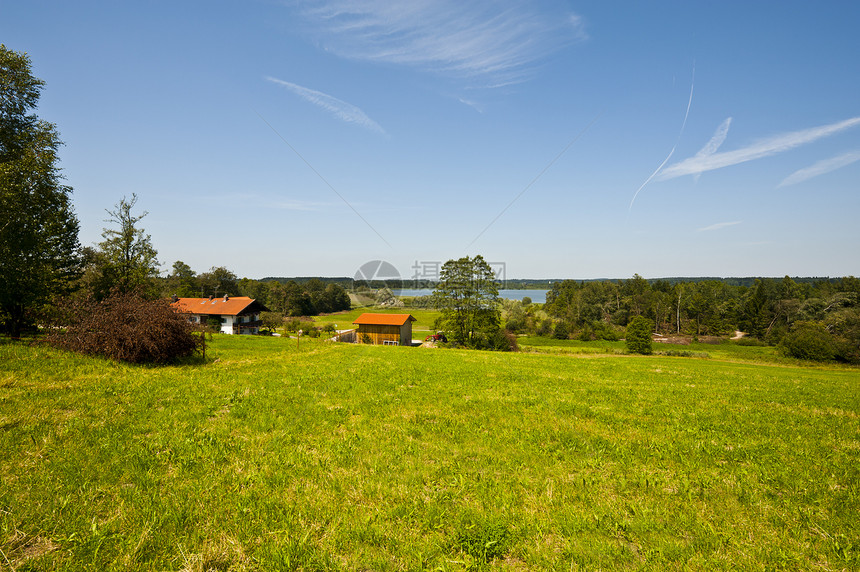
(226,297)
(211,296)
(175,298)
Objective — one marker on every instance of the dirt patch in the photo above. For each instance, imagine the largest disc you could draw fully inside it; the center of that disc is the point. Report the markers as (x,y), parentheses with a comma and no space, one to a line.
(24,548)
(675,340)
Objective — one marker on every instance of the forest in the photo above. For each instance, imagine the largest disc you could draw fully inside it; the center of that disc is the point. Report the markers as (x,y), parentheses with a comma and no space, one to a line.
(821,316)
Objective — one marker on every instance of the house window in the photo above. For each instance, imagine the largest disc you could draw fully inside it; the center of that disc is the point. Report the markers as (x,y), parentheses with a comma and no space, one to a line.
(223,320)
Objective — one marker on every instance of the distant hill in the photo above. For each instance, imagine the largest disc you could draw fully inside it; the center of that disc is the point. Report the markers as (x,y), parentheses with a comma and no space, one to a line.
(546,283)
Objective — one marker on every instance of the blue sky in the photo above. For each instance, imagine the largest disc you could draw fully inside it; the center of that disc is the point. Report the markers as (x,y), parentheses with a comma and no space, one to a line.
(565,139)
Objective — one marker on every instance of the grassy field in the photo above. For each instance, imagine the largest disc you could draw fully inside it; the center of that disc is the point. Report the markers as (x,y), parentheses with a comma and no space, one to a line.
(725,351)
(344,457)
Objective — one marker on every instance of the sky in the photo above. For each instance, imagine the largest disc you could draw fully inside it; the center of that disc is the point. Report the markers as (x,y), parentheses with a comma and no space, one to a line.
(560,139)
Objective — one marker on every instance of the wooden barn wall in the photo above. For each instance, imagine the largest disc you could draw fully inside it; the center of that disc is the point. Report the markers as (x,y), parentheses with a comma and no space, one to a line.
(378,333)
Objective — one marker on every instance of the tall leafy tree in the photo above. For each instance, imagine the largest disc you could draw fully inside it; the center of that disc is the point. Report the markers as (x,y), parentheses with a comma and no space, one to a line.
(131,260)
(219,281)
(468,297)
(183,281)
(38,229)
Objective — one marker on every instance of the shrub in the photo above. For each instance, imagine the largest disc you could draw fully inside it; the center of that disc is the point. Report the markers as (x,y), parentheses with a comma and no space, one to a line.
(639,335)
(810,341)
(545,328)
(604,331)
(747,341)
(126,327)
(561,332)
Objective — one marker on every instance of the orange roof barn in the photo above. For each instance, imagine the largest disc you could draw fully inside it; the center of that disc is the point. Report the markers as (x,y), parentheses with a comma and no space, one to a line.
(386,329)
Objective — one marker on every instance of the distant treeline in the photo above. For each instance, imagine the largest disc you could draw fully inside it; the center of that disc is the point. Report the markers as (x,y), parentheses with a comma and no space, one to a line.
(546,284)
(340,280)
(309,297)
(540,283)
(810,312)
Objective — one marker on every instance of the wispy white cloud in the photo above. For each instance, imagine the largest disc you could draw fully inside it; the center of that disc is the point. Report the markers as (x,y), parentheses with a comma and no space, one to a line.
(304,206)
(820,168)
(761,149)
(473,104)
(339,108)
(497,41)
(719,225)
(713,145)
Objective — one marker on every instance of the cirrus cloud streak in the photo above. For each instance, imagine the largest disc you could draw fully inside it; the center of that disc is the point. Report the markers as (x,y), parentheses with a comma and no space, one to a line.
(719,226)
(337,107)
(821,168)
(495,40)
(764,148)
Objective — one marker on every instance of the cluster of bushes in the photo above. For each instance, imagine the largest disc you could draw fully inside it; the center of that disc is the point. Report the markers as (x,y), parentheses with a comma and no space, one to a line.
(125,327)
(814,341)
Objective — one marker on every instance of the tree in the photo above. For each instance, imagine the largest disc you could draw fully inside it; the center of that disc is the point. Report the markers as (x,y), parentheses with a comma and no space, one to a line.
(130,258)
(219,281)
(639,335)
(38,229)
(468,297)
(183,281)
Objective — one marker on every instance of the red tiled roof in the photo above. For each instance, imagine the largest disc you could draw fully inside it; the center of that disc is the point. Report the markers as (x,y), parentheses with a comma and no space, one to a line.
(217,306)
(384,319)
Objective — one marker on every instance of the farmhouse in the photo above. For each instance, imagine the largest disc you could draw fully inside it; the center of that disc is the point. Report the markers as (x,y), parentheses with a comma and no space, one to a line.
(386,329)
(237,315)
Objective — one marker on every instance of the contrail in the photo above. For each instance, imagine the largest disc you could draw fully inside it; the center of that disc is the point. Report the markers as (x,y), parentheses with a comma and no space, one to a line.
(672,152)
(758,150)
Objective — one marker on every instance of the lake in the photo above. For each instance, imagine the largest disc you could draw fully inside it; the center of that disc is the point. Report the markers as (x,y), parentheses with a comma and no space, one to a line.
(537,296)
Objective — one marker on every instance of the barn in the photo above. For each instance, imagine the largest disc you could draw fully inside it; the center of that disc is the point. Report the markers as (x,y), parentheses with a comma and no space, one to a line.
(385,329)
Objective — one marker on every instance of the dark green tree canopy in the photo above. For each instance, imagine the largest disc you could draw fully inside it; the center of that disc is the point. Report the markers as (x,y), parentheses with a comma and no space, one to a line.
(38,229)
(639,335)
(468,296)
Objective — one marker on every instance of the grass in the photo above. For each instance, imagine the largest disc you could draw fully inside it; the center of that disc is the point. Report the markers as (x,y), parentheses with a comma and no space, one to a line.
(729,351)
(343,457)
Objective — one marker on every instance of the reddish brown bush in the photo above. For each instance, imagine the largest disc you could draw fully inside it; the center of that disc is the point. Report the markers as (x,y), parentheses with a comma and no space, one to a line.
(126,327)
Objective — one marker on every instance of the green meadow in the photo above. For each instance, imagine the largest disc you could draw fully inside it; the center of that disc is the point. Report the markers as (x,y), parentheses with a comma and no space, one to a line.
(273,455)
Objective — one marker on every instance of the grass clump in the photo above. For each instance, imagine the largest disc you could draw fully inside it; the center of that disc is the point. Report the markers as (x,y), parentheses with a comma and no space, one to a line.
(483,538)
